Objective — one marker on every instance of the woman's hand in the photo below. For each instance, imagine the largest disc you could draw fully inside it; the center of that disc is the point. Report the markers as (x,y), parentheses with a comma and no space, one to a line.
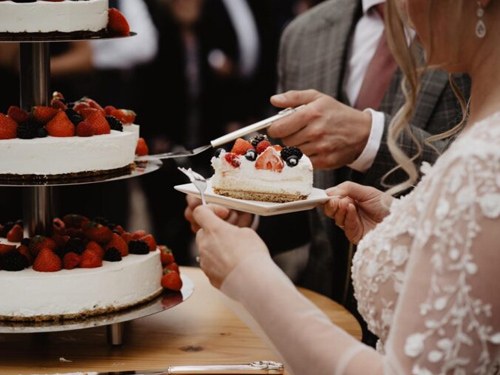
(356,209)
(223,246)
(241,219)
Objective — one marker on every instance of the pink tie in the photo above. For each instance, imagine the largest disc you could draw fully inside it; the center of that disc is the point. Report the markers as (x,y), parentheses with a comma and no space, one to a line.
(379,74)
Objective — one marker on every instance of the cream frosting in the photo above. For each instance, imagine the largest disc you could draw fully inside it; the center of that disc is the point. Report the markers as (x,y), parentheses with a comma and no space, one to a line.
(61,155)
(115,285)
(48,16)
(291,180)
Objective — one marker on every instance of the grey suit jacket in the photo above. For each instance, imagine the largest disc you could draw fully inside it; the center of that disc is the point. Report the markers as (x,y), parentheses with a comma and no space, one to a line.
(313,52)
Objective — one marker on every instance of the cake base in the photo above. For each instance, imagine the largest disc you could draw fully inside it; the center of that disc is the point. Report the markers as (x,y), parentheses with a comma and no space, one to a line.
(257,196)
(65,177)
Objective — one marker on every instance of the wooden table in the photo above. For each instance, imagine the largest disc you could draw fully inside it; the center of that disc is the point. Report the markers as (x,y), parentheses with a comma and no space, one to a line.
(201,330)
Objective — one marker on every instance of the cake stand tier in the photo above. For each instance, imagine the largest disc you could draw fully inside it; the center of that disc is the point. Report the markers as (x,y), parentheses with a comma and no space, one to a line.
(140,169)
(164,302)
(38,38)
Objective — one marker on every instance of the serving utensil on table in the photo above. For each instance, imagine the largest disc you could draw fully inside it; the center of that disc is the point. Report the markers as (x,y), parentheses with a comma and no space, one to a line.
(223,139)
(197,180)
(258,367)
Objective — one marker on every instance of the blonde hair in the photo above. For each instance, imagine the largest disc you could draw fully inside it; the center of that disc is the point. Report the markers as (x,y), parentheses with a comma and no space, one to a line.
(412,67)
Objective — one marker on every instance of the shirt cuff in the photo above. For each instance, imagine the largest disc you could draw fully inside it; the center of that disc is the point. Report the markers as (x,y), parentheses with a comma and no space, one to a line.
(365,160)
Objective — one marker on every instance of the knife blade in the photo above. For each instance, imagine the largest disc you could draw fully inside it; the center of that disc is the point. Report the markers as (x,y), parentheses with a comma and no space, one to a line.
(257,367)
(223,139)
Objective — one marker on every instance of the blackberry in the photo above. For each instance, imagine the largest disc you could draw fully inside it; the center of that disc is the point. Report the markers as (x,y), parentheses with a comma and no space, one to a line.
(138,247)
(74,244)
(258,138)
(73,116)
(114,123)
(14,261)
(291,155)
(112,255)
(42,133)
(28,129)
(25,241)
(251,155)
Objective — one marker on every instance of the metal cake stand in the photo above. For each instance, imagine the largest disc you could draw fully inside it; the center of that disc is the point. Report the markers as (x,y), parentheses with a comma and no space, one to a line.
(39,198)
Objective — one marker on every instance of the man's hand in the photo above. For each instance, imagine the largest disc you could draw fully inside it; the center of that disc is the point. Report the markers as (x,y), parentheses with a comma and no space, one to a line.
(330,133)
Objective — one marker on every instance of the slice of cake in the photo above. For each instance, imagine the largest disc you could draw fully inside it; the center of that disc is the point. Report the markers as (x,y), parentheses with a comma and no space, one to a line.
(62,17)
(66,141)
(85,268)
(258,170)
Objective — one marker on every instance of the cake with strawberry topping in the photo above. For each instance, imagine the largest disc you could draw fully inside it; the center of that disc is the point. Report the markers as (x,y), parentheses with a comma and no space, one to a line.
(257,170)
(85,268)
(78,18)
(67,141)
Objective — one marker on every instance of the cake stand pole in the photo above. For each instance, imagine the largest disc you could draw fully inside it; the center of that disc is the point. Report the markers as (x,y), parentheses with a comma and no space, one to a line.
(34,89)
(115,333)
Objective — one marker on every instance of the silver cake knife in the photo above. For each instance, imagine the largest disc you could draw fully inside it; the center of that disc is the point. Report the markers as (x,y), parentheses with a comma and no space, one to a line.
(223,139)
(257,367)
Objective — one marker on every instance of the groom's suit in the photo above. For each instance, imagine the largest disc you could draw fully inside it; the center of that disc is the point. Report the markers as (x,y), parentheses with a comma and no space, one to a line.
(313,54)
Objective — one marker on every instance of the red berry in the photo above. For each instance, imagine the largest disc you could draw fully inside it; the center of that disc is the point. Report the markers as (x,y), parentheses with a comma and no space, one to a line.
(60,126)
(270,160)
(15,233)
(17,114)
(142,148)
(166,255)
(262,146)
(150,240)
(47,261)
(171,280)
(90,259)
(117,23)
(241,146)
(119,244)
(98,122)
(84,129)
(8,127)
(71,260)
(232,159)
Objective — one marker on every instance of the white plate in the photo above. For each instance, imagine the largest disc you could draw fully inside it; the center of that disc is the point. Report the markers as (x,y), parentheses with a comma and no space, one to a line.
(316,197)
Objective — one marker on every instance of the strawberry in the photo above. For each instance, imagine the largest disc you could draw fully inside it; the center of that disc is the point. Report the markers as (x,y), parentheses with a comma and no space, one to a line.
(173,267)
(166,255)
(127,237)
(117,23)
(150,240)
(171,280)
(58,226)
(97,232)
(98,123)
(241,146)
(232,159)
(79,106)
(47,261)
(75,221)
(71,260)
(60,126)
(38,242)
(8,127)
(58,104)
(118,229)
(44,114)
(269,160)
(17,114)
(119,244)
(84,129)
(90,260)
(15,233)
(138,234)
(108,110)
(262,146)
(93,104)
(96,248)
(126,116)
(142,148)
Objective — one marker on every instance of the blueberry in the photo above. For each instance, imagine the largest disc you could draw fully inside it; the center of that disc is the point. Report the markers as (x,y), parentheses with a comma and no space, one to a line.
(292,161)
(251,155)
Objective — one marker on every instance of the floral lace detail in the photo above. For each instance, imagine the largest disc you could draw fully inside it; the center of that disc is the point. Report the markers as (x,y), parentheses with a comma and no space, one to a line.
(447,210)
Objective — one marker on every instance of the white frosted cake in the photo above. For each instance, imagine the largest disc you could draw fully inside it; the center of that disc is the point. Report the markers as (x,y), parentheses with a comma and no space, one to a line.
(76,293)
(84,268)
(67,157)
(66,16)
(66,141)
(257,170)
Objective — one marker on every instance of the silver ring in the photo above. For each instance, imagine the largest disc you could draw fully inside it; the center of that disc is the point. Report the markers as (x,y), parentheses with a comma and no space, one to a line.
(197,259)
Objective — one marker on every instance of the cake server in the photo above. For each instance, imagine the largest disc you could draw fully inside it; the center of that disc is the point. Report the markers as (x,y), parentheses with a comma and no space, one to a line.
(223,139)
(258,367)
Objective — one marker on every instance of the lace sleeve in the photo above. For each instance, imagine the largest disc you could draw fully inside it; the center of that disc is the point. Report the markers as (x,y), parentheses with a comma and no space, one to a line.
(448,314)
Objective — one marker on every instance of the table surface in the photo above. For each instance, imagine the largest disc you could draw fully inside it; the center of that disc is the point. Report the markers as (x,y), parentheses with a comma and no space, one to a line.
(200,330)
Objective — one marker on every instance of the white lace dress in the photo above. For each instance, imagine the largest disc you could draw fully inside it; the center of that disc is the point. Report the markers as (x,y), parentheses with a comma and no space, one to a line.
(427,279)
